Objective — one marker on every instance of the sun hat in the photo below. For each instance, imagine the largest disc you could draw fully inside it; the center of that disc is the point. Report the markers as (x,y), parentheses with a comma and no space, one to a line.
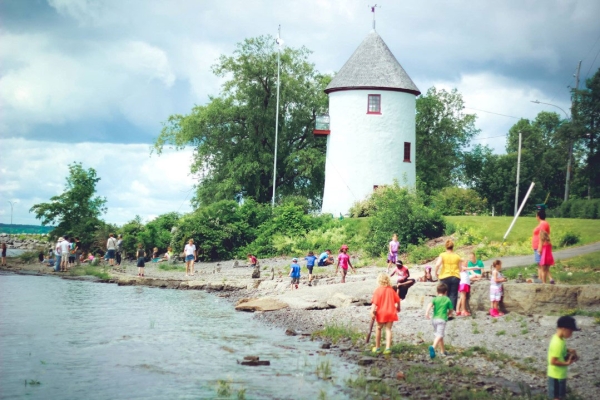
(399,262)
(294,259)
(344,247)
(567,322)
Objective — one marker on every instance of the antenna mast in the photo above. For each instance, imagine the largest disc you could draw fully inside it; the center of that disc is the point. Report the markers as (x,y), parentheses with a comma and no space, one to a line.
(373,11)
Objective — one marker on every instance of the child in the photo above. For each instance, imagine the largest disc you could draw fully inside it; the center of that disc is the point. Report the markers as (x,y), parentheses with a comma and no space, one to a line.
(71,252)
(427,277)
(546,258)
(3,254)
(496,288)
(385,307)
(140,255)
(403,283)
(295,273)
(155,257)
(325,259)
(344,262)
(190,257)
(464,288)
(475,267)
(310,264)
(442,309)
(252,260)
(393,251)
(559,358)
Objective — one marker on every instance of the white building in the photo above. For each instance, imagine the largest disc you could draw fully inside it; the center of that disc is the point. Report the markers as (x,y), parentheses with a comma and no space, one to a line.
(371,138)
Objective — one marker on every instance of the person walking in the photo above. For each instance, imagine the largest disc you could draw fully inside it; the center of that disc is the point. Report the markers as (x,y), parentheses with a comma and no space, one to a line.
(119,248)
(111,249)
(448,262)
(3,254)
(542,225)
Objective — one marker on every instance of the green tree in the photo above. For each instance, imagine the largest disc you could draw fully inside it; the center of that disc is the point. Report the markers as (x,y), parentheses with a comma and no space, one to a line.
(233,135)
(443,130)
(75,212)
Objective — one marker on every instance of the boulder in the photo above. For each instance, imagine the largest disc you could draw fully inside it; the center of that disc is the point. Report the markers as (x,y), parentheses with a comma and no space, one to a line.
(340,300)
(262,304)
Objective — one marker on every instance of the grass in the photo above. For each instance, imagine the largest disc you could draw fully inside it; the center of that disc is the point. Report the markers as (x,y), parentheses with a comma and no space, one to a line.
(28,256)
(494,228)
(324,370)
(501,333)
(88,270)
(366,389)
(223,388)
(171,267)
(578,270)
(336,332)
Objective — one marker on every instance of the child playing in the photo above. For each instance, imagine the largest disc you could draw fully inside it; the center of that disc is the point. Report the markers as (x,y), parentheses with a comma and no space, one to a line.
(140,255)
(427,277)
(464,287)
(442,309)
(403,283)
(325,259)
(344,262)
(252,260)
(496,288)
(546,258)
(385,307)
(559,358)
(475,267)
(393,251)
(310,264)
(295,273)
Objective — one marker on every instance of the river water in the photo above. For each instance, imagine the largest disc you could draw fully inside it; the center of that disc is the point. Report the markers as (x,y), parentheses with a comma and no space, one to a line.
(62,339)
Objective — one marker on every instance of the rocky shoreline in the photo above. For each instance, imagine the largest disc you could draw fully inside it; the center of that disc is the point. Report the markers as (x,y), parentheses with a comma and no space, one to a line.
(503,357)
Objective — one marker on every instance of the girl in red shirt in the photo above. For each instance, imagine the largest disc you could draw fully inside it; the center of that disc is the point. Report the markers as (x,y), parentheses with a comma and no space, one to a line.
(546,258)
(385,307)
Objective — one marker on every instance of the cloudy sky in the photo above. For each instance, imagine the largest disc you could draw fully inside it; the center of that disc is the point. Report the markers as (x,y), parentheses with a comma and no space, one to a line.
(92,80)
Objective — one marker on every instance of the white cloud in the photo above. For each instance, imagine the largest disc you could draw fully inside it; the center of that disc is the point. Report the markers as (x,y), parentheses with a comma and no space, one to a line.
(133,182)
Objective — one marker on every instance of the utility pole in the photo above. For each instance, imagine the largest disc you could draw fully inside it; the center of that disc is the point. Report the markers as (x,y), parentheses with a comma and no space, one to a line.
(279,43)
(11,211)
(573,118)
(518,173)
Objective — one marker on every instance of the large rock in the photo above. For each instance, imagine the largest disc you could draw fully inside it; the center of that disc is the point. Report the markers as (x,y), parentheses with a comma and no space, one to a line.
(340,300)
(262,304)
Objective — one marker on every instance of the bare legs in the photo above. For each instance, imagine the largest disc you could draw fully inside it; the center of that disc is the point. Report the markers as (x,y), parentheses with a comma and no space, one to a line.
(388,335)
(439,341)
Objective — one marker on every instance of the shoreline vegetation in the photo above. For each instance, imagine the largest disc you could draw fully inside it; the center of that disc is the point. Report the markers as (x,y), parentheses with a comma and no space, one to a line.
(490,358)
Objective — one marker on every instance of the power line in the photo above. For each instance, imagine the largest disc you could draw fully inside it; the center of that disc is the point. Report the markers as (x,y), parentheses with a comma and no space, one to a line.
(592,48)
(491,112)
(592,64)
(491,137)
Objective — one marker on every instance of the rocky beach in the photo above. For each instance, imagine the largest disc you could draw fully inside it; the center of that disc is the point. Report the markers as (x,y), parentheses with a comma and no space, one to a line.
(497,358)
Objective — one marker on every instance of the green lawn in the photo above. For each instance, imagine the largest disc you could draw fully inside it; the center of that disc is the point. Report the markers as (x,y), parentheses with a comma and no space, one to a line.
(494,228)
(573,271)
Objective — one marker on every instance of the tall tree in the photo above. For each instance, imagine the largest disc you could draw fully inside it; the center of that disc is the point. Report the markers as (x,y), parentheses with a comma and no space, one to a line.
(443,130)
(75,212)
(234,133)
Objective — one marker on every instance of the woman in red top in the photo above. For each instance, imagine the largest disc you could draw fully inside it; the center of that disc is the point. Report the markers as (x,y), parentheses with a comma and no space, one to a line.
(535,242)
(385,307)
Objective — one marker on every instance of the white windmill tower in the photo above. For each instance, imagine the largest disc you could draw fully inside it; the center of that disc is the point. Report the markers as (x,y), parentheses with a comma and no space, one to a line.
(371,133)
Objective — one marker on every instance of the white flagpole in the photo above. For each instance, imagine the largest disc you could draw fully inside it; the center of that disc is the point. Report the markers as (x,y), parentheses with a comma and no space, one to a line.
(276,115)
(519,212)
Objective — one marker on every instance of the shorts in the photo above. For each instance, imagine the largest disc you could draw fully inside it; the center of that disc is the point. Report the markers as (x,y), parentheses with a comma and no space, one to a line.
(71,259)
(557,388)
(463,287)
(110,254)
(344,271)
(310,268)
(439,327)
(537,256)
(295,281)
(393,257)
(189,257)
(495,294)
(141,263)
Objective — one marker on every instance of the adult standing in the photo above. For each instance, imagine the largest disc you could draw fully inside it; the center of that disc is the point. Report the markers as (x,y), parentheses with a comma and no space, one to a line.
(535,241)
(78,251)
(190,256)
(119,248)
(111,249)
(65,248)
(450,273)
(57,254)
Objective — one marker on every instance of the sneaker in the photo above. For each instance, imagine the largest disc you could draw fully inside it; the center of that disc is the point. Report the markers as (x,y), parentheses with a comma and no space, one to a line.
(552,281)
(493,312)
(375,350)
(387,351)
(431,352)
(444,354)
(309,284)
(459,313)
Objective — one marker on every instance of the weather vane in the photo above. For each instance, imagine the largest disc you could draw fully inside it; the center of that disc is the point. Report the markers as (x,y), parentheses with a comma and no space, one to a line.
(373,7)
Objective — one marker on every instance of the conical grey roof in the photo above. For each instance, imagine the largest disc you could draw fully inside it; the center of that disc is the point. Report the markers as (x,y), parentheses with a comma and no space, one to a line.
(372,66)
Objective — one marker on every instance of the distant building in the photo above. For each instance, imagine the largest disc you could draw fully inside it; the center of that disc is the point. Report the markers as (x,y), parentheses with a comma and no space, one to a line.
(371,133)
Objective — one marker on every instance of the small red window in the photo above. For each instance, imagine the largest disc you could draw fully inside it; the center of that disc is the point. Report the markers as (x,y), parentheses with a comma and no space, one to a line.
(406,151)
(374,106)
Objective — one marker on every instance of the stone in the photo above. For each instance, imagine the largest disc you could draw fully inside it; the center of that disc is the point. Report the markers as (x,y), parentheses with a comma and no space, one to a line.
(236,264)
(326,345)
(366,361)
(340,300)
(255,363)
(290,332)
(262,304)
(251,358)
(400,375)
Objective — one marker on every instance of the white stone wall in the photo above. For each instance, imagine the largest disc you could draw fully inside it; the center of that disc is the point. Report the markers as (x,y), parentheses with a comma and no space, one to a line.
(363,149)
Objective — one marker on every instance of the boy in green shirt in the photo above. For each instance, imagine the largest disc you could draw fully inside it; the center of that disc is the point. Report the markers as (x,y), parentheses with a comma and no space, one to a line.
(559,358)
(442,309)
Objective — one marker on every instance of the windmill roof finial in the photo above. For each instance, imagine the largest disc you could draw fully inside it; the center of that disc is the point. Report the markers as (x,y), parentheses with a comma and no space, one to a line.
(373,7)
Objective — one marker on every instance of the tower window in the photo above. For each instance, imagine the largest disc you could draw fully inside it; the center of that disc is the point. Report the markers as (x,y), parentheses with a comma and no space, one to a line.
(406,151)
(374,106)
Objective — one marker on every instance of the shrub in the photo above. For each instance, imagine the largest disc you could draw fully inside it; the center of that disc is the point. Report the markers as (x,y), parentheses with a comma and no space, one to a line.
(579,208)
(459,201)
(569,238)
(401,211)
(362,208)
(422,254)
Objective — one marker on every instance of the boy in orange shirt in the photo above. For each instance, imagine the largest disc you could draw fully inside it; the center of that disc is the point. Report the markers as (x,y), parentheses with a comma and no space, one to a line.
(385,307)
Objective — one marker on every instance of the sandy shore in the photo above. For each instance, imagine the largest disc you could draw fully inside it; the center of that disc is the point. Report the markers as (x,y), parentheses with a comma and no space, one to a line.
(496,356)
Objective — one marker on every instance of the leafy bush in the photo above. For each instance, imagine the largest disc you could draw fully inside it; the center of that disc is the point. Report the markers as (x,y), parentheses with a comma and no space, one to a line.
(459,201)
(362,208)
(569,238)
(28,256)
(579,208)
(422,254)
(401,211)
